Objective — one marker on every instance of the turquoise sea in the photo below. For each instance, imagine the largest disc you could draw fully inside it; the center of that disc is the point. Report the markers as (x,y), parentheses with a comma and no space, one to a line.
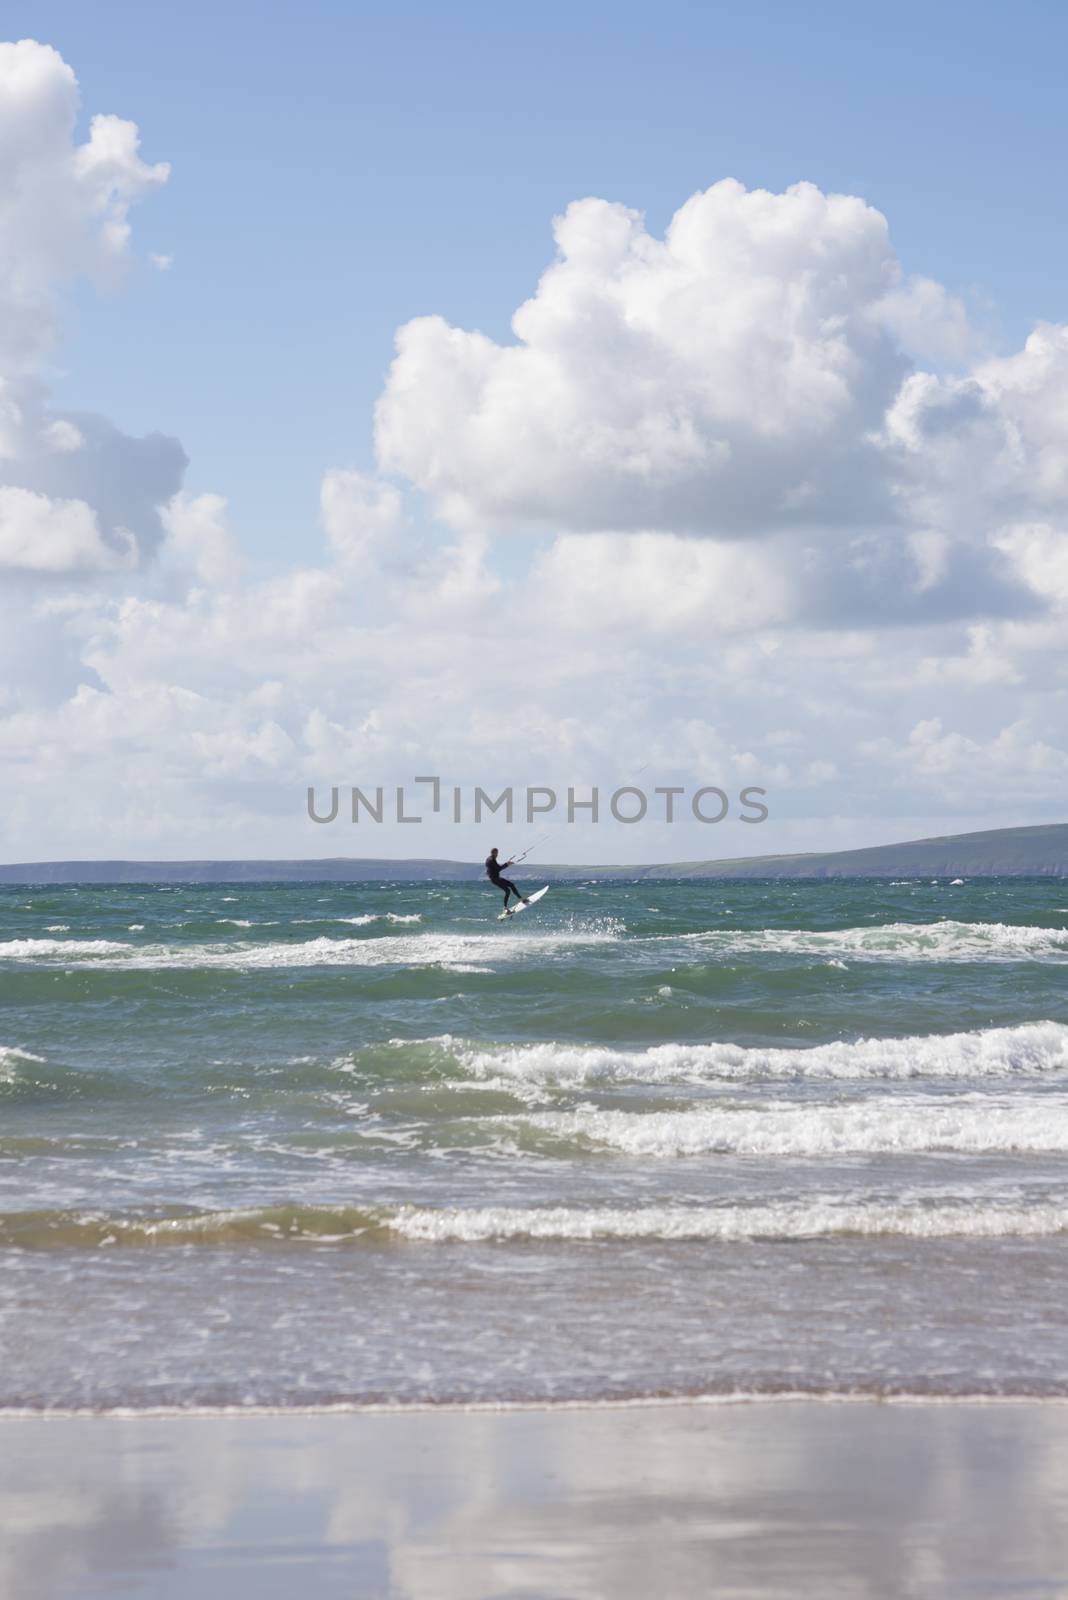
(292,1145)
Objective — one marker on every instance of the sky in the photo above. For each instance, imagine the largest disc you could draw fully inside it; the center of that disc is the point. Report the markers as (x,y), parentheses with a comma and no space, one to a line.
(570,397)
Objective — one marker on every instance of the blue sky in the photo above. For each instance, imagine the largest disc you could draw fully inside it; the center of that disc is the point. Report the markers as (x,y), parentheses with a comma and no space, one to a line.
(339,168)
(770,488)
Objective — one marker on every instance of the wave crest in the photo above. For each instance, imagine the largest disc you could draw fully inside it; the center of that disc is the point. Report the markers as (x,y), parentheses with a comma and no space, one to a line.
(465,952)
(818,1217)
(1029,1048)
(886,1126)
(895,941)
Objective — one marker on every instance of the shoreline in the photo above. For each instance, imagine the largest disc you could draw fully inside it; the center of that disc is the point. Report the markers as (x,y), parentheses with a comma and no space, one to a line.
(505,1408)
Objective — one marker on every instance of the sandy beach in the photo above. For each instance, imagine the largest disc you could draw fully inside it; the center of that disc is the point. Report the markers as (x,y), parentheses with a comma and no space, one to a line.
(770,1499)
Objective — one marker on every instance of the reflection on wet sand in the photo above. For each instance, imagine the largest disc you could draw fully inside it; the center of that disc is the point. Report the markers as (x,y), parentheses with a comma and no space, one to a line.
(767,1500)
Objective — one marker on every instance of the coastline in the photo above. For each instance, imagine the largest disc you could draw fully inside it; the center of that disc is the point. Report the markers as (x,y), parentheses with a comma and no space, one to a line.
(504,1408)
(778,1498)
(1036,849)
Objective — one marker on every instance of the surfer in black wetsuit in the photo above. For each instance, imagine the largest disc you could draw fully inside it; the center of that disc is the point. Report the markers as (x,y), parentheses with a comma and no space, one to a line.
(493,873)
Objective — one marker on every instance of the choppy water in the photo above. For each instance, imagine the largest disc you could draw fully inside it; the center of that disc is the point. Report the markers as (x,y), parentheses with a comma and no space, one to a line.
(296,1144)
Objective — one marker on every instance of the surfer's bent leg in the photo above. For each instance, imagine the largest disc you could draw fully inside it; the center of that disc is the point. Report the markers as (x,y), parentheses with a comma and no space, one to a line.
(509,888)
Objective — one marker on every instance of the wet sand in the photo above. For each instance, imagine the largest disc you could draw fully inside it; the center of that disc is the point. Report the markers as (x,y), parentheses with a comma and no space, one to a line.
(772,1499)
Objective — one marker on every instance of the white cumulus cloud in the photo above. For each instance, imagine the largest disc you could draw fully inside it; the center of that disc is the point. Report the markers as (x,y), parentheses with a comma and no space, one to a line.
(63,206)
(64,213)
(723,380)
(38,534)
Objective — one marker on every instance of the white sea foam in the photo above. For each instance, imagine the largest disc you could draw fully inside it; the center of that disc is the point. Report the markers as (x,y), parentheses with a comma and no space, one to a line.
(58,927)
(461,952)
(12,1059)
(910,1215)
(364,920)
(803,1219)
(1030,1048)
(895,941)
(976,1125)
(65,949)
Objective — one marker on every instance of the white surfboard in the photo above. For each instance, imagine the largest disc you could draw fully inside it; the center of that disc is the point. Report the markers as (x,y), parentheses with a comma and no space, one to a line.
(514,911)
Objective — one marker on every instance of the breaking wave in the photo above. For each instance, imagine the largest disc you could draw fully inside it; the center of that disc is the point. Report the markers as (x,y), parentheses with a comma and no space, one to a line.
(896,941)
(1030,1048)
(931,1217)
(13,1060)
(978,1125)
(463,952)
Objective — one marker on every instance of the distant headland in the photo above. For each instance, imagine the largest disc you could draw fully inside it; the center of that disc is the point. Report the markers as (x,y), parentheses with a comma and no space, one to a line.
(1040,851)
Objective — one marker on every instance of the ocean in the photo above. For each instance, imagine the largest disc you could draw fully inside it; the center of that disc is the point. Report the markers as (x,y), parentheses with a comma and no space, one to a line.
(296,1145)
